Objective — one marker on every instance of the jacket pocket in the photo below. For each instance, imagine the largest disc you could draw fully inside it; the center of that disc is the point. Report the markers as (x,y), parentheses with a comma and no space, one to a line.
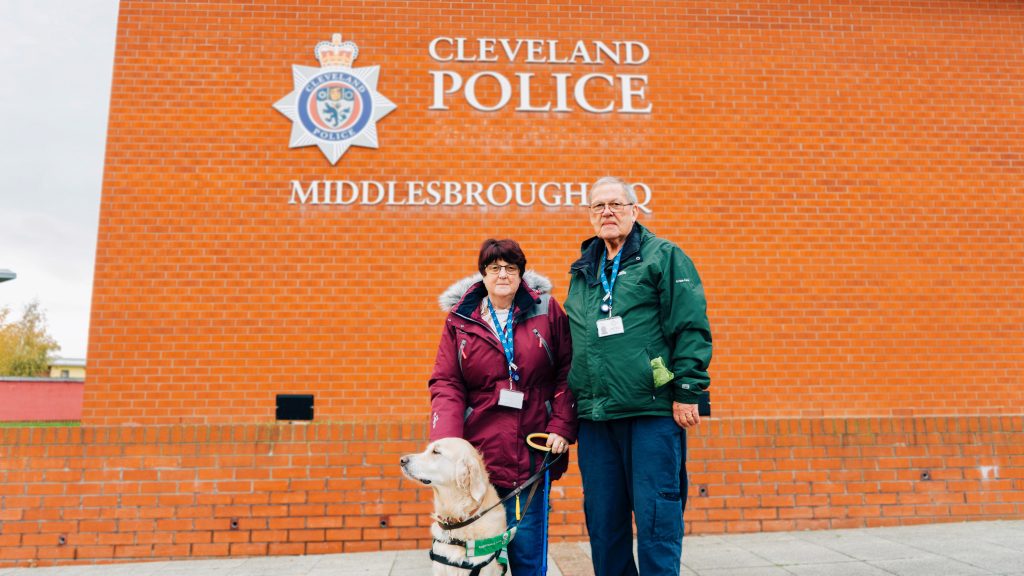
(662,375)
(544,344)
(631,385)
(668,519)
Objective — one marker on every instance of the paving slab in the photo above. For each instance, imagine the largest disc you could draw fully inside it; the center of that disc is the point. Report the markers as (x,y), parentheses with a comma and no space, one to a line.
(955,549)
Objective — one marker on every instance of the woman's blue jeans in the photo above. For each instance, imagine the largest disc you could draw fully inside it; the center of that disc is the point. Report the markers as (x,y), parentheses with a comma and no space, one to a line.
(526,552)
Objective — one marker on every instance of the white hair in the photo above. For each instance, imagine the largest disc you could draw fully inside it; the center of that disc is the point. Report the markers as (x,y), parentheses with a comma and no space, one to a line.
(626,187)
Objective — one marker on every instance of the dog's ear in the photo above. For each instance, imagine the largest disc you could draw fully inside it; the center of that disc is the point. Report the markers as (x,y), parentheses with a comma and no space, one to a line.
(470,478)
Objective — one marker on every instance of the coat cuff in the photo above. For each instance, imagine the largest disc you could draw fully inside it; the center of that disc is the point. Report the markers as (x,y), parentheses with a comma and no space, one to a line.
(563,431)
(687,392)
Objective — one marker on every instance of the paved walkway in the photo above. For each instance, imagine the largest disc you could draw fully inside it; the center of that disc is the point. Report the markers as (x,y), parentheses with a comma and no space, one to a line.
(968,549)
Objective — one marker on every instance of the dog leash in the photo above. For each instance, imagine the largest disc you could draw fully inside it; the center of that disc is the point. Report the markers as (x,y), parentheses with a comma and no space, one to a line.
(547,493)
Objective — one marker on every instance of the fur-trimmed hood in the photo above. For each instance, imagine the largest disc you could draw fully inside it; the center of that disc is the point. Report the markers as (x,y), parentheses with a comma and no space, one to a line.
(453,295)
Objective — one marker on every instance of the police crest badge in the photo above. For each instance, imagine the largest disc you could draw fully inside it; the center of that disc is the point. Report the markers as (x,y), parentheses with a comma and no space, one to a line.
(335,106)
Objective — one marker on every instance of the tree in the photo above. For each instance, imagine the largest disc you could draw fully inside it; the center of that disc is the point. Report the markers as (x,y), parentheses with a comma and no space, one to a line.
(25,346)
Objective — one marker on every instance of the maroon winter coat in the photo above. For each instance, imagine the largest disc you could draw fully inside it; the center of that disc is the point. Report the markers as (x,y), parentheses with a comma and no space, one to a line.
(471,369)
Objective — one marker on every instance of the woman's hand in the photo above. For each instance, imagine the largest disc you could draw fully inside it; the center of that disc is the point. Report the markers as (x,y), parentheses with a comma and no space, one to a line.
(557,444)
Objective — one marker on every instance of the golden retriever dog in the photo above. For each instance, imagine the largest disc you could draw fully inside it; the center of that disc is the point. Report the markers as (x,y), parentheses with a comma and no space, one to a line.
(454,470)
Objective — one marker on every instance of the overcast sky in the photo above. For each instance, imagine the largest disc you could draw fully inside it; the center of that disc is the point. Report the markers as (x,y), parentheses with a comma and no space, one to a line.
(56,59)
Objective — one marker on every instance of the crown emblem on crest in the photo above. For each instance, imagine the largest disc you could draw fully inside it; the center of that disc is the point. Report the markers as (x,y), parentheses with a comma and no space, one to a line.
(336,52)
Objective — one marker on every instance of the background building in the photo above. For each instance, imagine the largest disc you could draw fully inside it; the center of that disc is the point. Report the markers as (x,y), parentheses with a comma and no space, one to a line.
(846,176)
(67,368)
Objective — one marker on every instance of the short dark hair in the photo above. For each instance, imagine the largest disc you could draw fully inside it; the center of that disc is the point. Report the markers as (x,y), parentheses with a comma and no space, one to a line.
(508,250)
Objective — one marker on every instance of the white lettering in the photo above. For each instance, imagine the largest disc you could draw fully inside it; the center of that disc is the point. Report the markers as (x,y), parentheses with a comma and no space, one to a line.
(339,187)
(562,92)
(580,53)
(449,193)
(414,191)
(553,53)
(460,51)
(432,49)
(509,52)
(524,95)
(582,194)
(628,93)
(487,50)
(473,190)
(581,96)
(506,91)
(313,190)
(647,197)
(519,194)
(645,53)
(434,193)
(367,184)
(327,192)
(535,51)
(490,194)
(439,91)
(557,198)
(452,196)
(603,48)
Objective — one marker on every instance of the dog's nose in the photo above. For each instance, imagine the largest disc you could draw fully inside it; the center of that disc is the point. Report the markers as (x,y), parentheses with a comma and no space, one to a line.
(404,460)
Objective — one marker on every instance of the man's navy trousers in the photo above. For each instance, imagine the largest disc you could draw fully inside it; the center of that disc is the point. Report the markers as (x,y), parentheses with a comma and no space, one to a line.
(634,466)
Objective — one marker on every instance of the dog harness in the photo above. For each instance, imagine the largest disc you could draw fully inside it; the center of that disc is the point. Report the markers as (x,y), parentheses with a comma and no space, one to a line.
(474,569)
(494,548)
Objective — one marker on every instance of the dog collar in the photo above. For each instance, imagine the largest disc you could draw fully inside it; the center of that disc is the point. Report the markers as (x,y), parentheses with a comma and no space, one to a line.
(449,523)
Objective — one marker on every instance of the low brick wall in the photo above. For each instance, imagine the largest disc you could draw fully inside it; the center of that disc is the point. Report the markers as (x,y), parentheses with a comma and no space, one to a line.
(41,399)
(102,494)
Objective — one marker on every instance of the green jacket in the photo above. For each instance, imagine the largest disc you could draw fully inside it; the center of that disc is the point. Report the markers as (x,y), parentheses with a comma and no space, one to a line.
(664,353)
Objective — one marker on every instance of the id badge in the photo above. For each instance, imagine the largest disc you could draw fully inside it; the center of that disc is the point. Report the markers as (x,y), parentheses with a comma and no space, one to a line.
(610,326)
(511,399)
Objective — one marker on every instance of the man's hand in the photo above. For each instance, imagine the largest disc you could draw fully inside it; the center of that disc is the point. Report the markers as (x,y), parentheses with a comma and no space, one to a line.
(685,415)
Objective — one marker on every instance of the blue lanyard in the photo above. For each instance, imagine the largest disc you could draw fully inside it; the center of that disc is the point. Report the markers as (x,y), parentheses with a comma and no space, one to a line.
(506,337)
(609,285)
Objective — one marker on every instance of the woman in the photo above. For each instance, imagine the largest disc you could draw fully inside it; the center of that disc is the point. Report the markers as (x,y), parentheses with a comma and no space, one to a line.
(499,376)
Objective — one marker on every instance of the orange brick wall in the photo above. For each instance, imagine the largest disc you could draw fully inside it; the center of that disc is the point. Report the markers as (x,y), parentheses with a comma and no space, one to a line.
(846,175)
(159,492)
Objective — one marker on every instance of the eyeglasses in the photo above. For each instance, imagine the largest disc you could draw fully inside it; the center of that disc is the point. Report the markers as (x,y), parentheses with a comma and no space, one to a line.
(495,269)
(615,207)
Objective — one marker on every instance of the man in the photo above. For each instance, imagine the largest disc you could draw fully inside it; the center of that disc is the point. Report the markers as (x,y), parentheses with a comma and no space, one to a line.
(641,349)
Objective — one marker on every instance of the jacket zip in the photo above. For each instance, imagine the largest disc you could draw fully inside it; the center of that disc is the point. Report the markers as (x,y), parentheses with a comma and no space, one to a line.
(494,341)
(544,343)
(462,350)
